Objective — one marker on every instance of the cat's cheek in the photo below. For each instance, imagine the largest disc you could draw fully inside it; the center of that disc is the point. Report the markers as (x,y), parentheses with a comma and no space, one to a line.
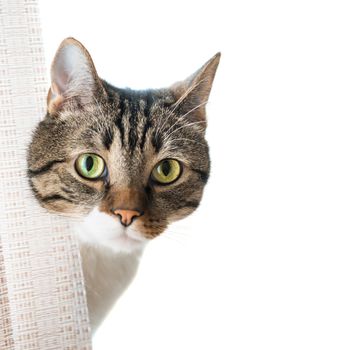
(65,209)
(180,214)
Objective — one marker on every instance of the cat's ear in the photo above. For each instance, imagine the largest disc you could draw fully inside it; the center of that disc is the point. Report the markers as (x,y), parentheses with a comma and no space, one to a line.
(192,94)
(73,77)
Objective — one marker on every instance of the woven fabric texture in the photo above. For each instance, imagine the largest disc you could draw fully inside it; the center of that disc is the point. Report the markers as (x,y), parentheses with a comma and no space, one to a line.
(42,297)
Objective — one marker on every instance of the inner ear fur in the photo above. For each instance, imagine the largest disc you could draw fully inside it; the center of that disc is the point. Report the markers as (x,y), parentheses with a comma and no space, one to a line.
(192,94)
(73,77)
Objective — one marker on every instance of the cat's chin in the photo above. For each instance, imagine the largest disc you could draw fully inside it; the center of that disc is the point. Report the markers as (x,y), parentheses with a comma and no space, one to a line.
(100,229)
(124,243)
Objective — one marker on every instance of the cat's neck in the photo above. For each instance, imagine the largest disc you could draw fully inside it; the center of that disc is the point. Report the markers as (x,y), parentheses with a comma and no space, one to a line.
(107,274)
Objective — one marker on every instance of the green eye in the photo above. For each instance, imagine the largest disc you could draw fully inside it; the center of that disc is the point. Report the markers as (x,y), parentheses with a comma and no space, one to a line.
(90,165)
(166,171)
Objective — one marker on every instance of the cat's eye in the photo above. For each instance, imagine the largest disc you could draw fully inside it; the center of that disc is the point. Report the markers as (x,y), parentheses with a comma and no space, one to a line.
(90,166)
(166,171)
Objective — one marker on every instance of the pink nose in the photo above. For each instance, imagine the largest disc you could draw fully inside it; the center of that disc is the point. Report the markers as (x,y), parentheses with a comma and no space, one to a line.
(127,216)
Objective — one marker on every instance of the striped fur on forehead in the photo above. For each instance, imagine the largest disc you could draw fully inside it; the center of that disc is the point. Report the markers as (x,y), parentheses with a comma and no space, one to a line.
(151,115)
(137,115)
(132,131)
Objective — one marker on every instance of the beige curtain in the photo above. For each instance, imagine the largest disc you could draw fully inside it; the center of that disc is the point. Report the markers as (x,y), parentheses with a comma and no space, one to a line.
(42,297)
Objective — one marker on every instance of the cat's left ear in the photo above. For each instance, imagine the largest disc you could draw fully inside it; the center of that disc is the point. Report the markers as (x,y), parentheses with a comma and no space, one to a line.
(192,94)
(73,77)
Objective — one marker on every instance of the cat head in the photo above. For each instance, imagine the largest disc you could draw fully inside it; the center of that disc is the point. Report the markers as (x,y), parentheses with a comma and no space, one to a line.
(129,162)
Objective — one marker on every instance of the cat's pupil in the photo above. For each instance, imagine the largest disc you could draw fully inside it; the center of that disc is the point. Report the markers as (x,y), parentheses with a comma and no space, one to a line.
(89,163)
(166,168)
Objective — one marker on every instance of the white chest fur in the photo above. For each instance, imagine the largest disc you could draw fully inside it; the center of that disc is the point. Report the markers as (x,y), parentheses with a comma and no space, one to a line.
(107,275)
(110,257)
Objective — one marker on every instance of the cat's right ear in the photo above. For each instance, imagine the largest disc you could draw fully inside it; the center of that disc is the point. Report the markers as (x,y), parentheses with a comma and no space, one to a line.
(73,77)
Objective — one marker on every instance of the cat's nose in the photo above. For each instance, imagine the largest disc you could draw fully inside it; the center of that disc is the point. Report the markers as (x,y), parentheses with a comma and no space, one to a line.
(127,216)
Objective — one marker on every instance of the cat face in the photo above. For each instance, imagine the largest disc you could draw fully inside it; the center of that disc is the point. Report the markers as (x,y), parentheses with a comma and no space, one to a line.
(129,162)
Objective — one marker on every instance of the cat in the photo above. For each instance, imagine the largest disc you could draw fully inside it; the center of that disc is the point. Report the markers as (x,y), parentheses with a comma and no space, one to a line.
(127,162)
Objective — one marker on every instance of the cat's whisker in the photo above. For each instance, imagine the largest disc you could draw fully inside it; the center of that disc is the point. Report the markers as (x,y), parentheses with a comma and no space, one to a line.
(184,126)
(181,118)
(177,103)
(161,127)
(98,105)
(185,94)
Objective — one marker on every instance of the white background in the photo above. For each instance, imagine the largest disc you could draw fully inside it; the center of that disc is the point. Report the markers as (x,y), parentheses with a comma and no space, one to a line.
(265,262)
